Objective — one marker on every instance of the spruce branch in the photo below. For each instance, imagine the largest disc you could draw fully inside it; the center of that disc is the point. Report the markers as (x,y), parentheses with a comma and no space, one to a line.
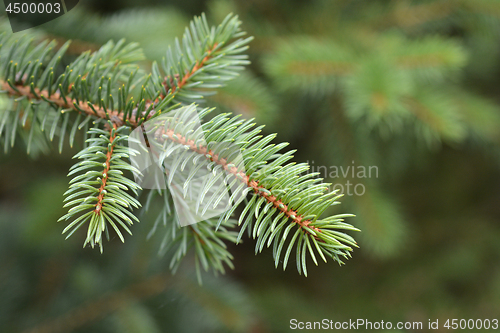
(108,87)
(282,197)
(100,197)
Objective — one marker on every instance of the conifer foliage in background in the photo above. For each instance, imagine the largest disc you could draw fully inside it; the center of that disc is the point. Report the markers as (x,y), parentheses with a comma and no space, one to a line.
(432,209)
(103,95)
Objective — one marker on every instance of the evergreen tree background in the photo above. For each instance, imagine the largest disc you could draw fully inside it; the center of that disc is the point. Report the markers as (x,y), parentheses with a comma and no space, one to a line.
(407,86)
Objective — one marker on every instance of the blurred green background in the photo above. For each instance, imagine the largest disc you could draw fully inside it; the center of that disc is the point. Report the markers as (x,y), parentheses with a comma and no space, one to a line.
(408,87)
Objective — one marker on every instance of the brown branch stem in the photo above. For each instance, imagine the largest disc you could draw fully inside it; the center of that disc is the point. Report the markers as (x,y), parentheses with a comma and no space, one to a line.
(254,184)
(64,102)
(188,75)
(105,173)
